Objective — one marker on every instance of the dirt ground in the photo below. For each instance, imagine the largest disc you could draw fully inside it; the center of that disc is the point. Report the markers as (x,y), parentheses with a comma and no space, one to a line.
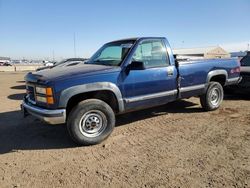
(176,145)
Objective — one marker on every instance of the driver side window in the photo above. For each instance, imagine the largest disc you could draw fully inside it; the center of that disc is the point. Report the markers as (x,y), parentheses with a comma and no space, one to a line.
(152,53)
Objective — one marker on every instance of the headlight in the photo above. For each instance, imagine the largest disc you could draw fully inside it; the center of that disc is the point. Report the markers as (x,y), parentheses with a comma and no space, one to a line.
(41,90)
(44,95)
(41,99)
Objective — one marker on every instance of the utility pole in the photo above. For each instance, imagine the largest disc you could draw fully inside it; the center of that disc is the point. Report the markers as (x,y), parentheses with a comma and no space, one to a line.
(75,45)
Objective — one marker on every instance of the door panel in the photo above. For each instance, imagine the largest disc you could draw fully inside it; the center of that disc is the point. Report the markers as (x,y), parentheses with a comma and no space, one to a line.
(149,87)
(154,85)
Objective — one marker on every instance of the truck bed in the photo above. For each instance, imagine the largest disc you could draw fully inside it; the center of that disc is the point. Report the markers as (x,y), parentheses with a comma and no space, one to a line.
(194,73)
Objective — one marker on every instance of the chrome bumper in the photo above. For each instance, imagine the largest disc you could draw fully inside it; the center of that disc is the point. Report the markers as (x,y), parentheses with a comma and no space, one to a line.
(49,116)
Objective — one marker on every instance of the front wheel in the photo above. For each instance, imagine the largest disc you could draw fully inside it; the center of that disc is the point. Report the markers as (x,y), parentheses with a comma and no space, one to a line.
(91,122)
(213,97)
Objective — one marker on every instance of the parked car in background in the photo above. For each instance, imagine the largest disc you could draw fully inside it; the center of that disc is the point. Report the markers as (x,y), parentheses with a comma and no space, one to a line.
(5,64)
(48,63)
(64,63)
(70,62)
(14,62)
(245,74)
(123,76)
(245,61)
(244,85)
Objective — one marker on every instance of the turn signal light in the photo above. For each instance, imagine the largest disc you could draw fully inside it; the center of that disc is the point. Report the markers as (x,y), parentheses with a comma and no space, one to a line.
(50,100)
(49,91)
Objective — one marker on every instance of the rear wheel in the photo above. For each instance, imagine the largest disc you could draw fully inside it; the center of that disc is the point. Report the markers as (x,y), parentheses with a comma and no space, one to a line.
(91,122)
(213,97)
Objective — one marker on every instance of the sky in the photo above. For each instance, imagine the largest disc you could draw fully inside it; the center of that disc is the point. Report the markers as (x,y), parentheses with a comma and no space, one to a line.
(41,29)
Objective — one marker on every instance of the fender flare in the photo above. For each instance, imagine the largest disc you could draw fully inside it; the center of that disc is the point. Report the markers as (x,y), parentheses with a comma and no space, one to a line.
(217,73)
(97,86)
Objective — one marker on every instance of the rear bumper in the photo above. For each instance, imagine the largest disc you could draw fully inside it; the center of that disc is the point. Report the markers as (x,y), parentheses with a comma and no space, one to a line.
(49,116)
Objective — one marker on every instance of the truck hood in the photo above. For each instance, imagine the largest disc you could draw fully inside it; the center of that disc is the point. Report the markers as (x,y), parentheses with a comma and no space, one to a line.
(57,73)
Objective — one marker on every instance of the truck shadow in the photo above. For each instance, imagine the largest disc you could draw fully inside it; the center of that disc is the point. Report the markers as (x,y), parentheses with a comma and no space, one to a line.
(18,133)
(180,106)
(22,87)
(18,96)
(20,81)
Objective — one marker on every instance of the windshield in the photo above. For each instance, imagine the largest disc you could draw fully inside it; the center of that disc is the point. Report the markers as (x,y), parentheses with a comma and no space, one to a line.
(111,54)
(60,62)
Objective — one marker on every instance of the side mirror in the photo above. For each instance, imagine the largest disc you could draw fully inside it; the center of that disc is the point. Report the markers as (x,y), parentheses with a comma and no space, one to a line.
(136,65)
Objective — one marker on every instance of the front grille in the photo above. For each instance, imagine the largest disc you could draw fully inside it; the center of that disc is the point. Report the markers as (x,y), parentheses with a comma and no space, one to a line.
(31,93)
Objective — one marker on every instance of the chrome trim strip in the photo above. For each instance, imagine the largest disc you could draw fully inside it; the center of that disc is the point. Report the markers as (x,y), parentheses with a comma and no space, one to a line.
(150,96)
(50,116)
(192,88)
(34,93)
(31,101)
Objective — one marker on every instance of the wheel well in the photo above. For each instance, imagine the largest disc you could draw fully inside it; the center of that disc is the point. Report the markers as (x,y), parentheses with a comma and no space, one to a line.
(104,95)
(219,78)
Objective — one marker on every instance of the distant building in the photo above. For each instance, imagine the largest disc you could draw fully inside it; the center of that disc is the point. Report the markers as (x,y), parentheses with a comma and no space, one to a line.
(204,52)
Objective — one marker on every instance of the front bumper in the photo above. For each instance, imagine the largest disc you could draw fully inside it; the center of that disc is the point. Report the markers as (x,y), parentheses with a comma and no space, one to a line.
(49,116)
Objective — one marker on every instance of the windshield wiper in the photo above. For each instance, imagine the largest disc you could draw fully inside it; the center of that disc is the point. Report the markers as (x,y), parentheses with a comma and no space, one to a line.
(100,62)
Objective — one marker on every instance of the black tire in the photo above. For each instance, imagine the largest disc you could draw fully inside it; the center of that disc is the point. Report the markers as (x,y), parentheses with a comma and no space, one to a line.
(213,97)
(82,123)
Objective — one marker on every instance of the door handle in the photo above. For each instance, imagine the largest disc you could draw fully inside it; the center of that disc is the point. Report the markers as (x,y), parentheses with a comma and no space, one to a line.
(170,71)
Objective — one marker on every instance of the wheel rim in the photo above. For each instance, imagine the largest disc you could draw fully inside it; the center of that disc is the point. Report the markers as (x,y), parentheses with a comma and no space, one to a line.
(93,123)
(215,96)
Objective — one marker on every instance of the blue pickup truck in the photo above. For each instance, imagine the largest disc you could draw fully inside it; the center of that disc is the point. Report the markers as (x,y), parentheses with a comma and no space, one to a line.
(123,76)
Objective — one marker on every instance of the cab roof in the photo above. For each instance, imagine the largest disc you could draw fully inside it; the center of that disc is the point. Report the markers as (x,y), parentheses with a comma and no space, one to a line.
(137,38)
